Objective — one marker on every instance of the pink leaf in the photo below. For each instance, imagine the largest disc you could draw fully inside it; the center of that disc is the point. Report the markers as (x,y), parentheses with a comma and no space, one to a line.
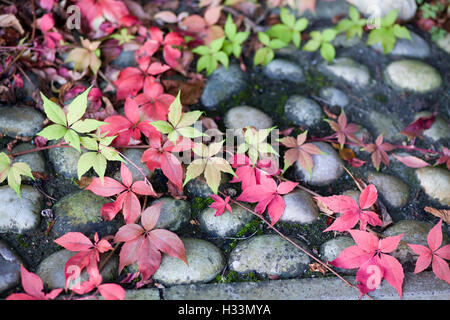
(411,161)
(75,241)
(393,272)
(435,236)
(109,188)
(128,232)
(368,197)
(150,216)
(111,291)
(168,242)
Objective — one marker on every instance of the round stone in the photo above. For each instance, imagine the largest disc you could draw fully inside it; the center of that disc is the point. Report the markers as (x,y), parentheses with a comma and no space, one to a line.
(244,116)
(348,70)
(20,121)
(51,270)
(327,168)
(205,260)
(142,294)
(64,161)
(197,188)
(392,189)
(175,214)
(386,125)
(302,111)
(334,97)
(444,43)
(354,194)
(280,69)
(222,84)
(300,208)
(440,129)
(331,249)
(413,75)
(415,48)
(406,8)
(80,212)
(268,255)
(9,267)
(135,156)
(35,160)
(436,183)
(227,224)
(125,59)
(19,215)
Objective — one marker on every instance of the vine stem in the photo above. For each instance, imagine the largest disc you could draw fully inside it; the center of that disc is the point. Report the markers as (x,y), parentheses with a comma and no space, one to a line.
(247,20)
(270,226)
(16,154)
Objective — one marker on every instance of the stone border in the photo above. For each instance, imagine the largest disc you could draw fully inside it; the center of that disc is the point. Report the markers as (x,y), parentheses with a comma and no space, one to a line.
(423,286)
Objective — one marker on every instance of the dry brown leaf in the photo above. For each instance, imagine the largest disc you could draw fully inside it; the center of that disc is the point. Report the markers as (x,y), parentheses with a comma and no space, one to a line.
(84,182)
(190,90)
(440,213)
(323,208)
(317,267)
(10,20)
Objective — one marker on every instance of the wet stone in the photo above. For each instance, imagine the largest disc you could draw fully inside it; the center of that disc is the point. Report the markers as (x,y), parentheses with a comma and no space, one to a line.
(20,121)
(392,189)
(80,212)
(348,70)
(280,69)
(406,8)
(268,255)
(354,194)
(175,214)
(142,294)
(51,269)
(300,208)
(327,167)
(412,75)
(334,97)
(243,116)
(331,249)
(19,215)
(34,160)
(222,84)
(444,43)
(135,156)
(226,225)
(205,260)
(385,125)
(415,48)
(302,111)
(9,267)
(327,10)
(64,161)
(436,183)
(343,41)
(197,188)
(440,129)
(124,60)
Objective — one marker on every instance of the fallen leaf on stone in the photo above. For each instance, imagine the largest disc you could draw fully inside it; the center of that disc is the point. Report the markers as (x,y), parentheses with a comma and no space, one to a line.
(440,213)
(317,267)
(84,182)
(10,20)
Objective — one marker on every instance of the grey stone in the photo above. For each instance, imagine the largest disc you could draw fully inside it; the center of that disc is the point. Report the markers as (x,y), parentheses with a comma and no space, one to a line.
(135,156)
(225,225)
(64,161)
(19,215)
(422,286)
(243,116)
(142,294)
(406,8)
(205,260)
(414,232)
(412,75)
(9,267)
(348,70)
(268,255)
(415,48)
(385,125)
(331,249)
(197,188)
(436,183)
(327,10)
(35,160)
(334,97)
(222,84)
(30,88)
(22,122)
(440,129)
(392,189)
(51,269)
(327,168)
(300,208)
(80,212)
(444,43)
(124,60)
(362,134)
(175,214)
(354,194)
(280,69)
(302,111)
(343,41)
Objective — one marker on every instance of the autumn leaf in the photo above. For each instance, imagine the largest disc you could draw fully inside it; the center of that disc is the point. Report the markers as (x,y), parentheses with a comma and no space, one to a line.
(434,254)
(343,129)
(411,161)
(418,126)
(13,172)
(444,158)
(379,152)
(440,213)
(220,204)
(86,57)
(249,174)
(255,144)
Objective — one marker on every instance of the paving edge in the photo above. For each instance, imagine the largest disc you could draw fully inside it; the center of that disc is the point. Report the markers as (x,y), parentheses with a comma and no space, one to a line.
(423,286)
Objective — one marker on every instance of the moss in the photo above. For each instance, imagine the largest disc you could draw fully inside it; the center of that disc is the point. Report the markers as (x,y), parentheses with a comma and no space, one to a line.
(316,81)
(380,98)
(233,276)
(22,242)
(199,204)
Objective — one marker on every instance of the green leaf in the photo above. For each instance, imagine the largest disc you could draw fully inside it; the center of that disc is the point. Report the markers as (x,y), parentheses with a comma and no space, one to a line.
(401,32)
(14,181)
(100,165)
(301,24)
(85,126)
(241,37)
(173,136)
(230,28)
(201,50)
(389,19)
(89,143)
(53,132)
(85,162)
(175,111)
(23,169)
(72,138)
(53,111)
(216,45)
(263,38)
(162,126)
(344,25)
(296,38)
(190,132)
(286,17)
(77,108)
(228,47)
(328,35)
(263,56)
(277,44)
(203,63)
(110,153)
(281,32)
(194,169)
(222,58)
(328,52)
(316,35)
(236,49)
(212,66)
(189,118)
(353,13)
(312,45)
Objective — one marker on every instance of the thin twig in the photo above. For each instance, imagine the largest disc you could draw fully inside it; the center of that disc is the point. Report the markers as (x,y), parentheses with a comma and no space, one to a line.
(247,20)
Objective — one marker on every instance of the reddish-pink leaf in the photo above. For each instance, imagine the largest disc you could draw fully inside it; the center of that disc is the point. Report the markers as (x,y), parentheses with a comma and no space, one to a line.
(393,272)
(150,216)
(75,241)
(129,253)
(389,244)
(128,232)
(149,259)
(411,161)
(351,258)
(168,242)
(143,188)
(131,207)
(172,169)
(435,236)
(368,197)
(109,188)
(31,283)
(365,240)
(111,291)
(441,269)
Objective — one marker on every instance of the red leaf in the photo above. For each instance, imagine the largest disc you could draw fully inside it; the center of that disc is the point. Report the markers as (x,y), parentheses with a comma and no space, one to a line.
(150,216)
(393,272)
(75,241)
(128,232)
(110,187)
(411,161)
(368,197)
(168,242)
(111,291)
(172,169)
